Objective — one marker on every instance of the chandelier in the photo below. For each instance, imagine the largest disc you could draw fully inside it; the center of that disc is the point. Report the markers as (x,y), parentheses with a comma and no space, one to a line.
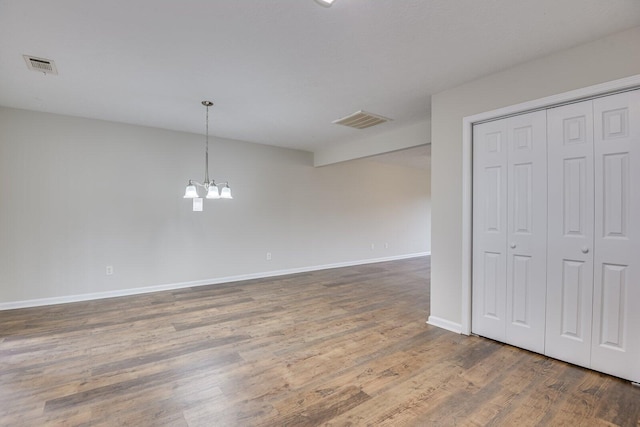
(211,188)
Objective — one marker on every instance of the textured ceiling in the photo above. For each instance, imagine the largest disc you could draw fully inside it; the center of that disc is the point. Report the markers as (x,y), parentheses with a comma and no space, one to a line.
(279,71)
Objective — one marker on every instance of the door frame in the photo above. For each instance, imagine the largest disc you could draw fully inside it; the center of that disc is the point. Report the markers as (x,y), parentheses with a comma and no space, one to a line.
(627,83)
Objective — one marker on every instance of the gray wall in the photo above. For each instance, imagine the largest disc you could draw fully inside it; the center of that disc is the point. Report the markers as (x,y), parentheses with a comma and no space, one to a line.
(607,59)
(78,195)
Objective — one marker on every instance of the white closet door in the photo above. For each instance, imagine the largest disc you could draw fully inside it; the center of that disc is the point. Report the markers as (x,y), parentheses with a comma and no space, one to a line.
(527,230)
(616,315)
(489,229)
(570,233)
(509,280)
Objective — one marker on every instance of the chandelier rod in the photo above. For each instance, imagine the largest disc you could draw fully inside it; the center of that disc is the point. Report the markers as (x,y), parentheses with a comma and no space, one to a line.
(206,151)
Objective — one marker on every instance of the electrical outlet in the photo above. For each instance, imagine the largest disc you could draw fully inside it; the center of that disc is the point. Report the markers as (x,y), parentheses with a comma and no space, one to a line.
(373,246)
(109,270)
(268,256)
(386,245)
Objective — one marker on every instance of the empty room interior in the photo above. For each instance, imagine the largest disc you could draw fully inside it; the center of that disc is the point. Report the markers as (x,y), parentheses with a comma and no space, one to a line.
(319,212)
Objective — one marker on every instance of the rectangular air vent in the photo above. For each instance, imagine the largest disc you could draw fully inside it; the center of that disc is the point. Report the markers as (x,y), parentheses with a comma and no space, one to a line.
(40,65)
(361,120)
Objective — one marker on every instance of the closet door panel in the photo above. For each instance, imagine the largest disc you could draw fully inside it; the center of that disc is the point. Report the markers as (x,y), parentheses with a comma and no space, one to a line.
(489,229)
(526,230)
(570,233)
(616,318)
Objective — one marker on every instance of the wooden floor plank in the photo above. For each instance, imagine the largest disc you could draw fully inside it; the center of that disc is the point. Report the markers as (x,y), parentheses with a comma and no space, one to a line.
(339,347)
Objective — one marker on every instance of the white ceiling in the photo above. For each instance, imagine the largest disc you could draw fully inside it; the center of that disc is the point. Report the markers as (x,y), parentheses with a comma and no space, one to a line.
(279,71)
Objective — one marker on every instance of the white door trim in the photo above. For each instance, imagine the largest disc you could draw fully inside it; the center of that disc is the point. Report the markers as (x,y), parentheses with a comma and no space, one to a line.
(467,172)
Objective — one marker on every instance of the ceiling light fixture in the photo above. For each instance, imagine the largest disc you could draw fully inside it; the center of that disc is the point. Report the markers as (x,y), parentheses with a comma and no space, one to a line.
(325,3)
(210,186)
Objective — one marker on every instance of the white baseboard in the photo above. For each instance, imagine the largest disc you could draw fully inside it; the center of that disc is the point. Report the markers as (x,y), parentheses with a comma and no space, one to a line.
(157,288)
(445,324)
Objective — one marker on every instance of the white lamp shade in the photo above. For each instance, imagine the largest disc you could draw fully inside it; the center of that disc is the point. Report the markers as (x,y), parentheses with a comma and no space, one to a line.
(213,192)
(190,192)
(226,193)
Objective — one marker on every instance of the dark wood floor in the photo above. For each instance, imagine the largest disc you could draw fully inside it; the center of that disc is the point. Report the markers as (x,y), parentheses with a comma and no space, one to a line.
(338,347)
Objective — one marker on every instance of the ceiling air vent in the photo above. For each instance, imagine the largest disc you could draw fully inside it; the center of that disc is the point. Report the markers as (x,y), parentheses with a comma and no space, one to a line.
(361,120)
(40,65)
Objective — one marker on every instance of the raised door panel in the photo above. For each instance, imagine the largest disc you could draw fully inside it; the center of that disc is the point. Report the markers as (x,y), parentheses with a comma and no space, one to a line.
(570,233)
(616,320)
(574,197)
(526,230)
(489,229)
(571,310)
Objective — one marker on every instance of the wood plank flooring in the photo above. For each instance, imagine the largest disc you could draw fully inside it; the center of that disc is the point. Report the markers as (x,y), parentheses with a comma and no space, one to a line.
(342,347)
